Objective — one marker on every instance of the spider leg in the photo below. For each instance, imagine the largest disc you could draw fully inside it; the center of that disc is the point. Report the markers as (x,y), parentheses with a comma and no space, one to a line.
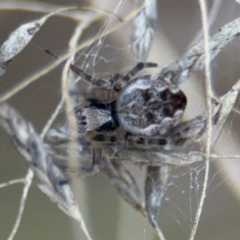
(99,162)
(78,71)
(112,80)
(140,66)
(112,138)
(115,78)
(179,136)
(136,69)
(125,79)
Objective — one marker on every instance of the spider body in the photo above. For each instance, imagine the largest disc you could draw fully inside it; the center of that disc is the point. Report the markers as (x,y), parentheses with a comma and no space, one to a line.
(132,113)
(146,108)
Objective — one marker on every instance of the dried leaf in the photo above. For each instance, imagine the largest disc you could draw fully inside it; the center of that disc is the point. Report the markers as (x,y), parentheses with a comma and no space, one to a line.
(193,60)
(156,181)
(19,39)
(126,186)
(31,147)
(144,28)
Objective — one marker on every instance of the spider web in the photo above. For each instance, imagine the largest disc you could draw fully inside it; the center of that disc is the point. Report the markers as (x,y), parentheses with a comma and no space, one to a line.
(109,55)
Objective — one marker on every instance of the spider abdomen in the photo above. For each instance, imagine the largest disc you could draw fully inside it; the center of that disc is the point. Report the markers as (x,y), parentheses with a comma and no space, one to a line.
(150,106)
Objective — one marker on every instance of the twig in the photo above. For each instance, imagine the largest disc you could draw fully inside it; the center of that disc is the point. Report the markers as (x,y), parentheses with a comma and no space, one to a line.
(209,109)
(211,19)
(11,182)
(41,8)
(28,182)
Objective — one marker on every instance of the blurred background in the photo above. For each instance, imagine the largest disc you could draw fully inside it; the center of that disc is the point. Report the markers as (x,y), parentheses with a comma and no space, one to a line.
(107,216)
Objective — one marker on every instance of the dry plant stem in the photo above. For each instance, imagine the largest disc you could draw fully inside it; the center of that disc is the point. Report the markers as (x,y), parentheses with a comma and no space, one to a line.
(176,159)
(52,118)
(46,69)
(81,26)
(209,109)
(211,19)
(72,121)
(40,8)
(73,134)
(105,12)
(28,182)
(11,182)
(67,82)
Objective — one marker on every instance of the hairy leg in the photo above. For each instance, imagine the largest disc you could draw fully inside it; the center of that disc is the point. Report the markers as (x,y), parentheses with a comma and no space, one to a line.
(100,160)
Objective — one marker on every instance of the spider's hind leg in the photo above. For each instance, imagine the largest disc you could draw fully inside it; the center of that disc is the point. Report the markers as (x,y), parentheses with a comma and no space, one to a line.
(99,160)
(179,136)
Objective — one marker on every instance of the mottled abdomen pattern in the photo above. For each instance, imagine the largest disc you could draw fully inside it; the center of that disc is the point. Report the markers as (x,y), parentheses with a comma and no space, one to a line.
(150,106)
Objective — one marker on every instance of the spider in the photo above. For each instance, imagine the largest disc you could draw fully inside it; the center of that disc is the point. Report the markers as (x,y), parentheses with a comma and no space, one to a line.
(132,113)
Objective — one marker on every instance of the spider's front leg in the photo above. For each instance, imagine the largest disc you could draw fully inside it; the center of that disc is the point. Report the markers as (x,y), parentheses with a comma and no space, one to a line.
(125,79)
(78,71)
(103,83)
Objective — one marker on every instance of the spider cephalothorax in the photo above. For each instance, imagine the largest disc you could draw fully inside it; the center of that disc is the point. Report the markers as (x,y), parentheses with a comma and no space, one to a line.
(97,116)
